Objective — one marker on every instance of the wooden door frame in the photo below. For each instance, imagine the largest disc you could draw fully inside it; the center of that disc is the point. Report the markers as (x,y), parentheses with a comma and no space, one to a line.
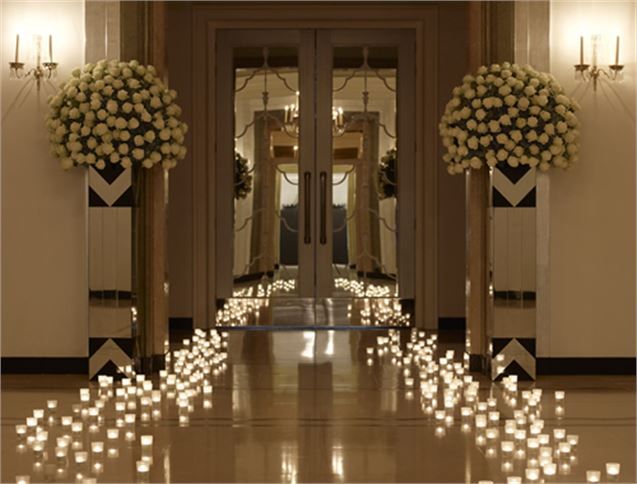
(422,19)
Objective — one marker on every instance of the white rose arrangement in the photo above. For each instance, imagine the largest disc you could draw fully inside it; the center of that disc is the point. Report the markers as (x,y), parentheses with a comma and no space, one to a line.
(509,114)
(116,112)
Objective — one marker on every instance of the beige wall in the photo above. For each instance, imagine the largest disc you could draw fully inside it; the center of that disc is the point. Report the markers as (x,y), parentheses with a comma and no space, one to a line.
(592,207)
(180,210)
(450,196)
(43,255)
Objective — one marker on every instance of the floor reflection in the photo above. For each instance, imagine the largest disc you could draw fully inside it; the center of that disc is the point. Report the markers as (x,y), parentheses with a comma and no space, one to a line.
(316,406)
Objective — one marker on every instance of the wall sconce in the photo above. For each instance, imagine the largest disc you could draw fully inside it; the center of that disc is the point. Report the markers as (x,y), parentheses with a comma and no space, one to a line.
(591,72)
(41,70)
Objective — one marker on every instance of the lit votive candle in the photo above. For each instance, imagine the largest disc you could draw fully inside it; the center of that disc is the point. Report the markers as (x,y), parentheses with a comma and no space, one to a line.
(532,474)
(559,396)
(564,448)
(142,467)
(21,430)
(559,434)
(129,436)
(146,440)
(549,469)
(112,434)
(97,447)
(514,480)
(612,469)
(31,422)
(60,452)
(572,439)
(507,446)
(544,439)
(81,457)
(52,404)
(22,479)
(593,476)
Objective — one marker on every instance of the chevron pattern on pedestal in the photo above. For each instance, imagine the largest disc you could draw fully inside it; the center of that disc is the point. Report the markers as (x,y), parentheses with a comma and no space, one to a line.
(513,356)
(109,356)
(513,187)
(110,187)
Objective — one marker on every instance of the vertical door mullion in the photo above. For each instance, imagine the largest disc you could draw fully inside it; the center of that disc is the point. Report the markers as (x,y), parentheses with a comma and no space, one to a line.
(406,147)
(224,168)
(323,181)
(306,226)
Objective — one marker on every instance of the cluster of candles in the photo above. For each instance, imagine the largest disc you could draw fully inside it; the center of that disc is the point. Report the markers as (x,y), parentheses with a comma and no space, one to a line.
(246,303)
(374,304)
(114,411)
(450,396)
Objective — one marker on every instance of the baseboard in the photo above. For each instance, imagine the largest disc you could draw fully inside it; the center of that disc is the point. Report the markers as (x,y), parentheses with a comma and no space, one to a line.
(180,324)
(586,366)
(452,324)
(44,365)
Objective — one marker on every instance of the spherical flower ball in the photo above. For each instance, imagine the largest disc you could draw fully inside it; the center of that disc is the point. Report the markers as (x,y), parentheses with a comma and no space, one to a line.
(509,115)
(114,112)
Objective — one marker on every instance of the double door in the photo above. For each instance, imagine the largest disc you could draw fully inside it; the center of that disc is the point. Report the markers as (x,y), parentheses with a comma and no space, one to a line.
(314,176)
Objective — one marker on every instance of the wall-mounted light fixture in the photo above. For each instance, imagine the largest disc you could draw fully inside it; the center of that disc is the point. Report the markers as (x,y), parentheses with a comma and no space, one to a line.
(591,72)
(41,70)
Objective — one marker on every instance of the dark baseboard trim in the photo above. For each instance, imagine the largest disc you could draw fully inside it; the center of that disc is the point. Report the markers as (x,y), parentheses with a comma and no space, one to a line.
(452,324)
(586,366)
(44,365)
(180,324)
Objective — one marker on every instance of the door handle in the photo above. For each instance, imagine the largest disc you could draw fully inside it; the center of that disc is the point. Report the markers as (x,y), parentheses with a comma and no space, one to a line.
(307,190)
(323,201)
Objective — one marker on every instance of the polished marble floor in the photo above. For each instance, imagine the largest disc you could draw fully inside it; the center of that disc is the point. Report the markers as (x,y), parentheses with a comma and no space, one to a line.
(308,406)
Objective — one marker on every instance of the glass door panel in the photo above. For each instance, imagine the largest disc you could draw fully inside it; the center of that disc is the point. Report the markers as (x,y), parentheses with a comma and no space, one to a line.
(365,81)
(315,211)
(264,259)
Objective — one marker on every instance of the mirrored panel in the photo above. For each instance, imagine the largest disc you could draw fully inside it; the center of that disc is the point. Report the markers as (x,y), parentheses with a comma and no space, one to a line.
(364,166)
(266,171)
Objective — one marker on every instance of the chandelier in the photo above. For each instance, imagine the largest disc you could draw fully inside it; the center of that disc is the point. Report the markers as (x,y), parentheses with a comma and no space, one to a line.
(291,119)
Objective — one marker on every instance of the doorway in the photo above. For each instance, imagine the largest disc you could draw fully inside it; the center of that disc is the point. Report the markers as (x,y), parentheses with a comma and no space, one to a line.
(315,209)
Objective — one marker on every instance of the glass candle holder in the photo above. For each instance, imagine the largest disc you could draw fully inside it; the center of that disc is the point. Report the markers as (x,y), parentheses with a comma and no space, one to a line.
(532,474)
(514,480)
(22,479)
(612,469)
(549,469)
(146,440)
(593,476)
(81,457)
(97,447)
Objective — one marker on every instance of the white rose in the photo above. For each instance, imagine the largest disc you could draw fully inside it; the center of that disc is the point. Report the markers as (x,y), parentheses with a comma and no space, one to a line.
(520,123)
(561,127)
(532,121)
(124,135)
(505,120)
(114,158)
(481,90)
(100,164)
(182,152)
(133,123)
(523,103)
(127,108)
(482,128)
(165,133)
(149,136)
(534,149)
(475,163)
(544,166)
(120,123)
(513,161)
(572,148)
(502,138)
(118,84)
(138,140)
(494,126)
(111,106)
(122,149)
(147,163)
(502,155)
(543,138)
(480,114)
(488,102)
(516,135)
(139,108)
(85,130)
(90,158)
(138,154)
(102,114)
(133,83)
(545,115)
(165,148)
(486,140)
(155,102)
(510,100)
(472,143)
(504,90)
(146,117)
(107,148)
